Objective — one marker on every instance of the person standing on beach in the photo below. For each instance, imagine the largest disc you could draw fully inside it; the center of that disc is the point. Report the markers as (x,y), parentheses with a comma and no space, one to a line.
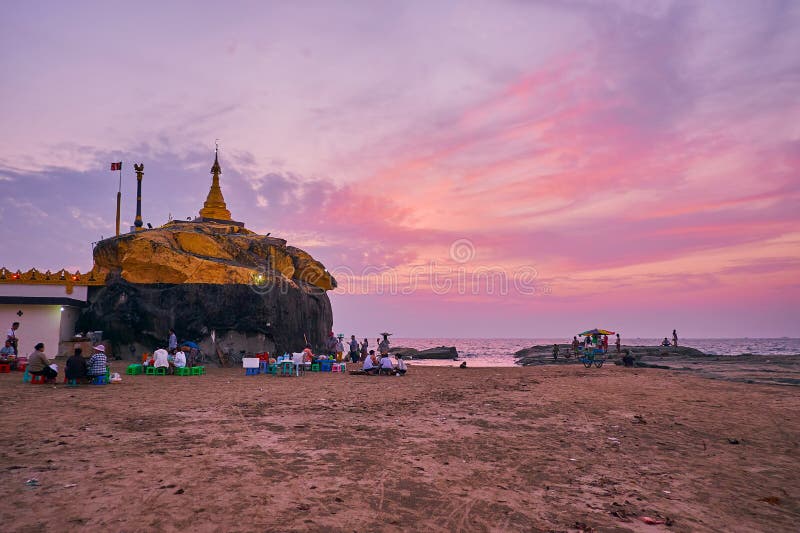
(339,349)
(364,349)
(605,343)
(383,346)
(619,344)
(173,341)
(575,345)
(353,349)
(11,335)
(675,338)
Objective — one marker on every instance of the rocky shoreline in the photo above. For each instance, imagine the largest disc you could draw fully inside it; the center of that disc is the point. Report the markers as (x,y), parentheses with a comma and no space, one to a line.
(543,354)
(746,368)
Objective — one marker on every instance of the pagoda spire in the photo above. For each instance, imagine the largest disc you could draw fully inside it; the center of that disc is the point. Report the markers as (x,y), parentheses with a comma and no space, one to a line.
(214,206)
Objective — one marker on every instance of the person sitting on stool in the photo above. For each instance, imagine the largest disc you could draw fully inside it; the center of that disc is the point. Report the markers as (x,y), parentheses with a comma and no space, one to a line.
(76,366)
(97,365)
(39,364)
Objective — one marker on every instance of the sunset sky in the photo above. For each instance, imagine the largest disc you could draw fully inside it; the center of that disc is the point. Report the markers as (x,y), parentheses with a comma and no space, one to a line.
(465,169)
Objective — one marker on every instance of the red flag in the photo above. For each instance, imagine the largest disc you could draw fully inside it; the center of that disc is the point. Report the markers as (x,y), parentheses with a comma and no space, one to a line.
(116,166)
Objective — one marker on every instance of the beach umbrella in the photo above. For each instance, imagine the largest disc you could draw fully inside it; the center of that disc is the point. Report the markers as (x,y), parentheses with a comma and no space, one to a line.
(190,344)
(596,331)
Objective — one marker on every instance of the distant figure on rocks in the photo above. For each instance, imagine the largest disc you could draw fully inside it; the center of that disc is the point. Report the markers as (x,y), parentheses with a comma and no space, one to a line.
(675,338)
(619,344)
(463,365)
(627,359)
(555,352)
(173,340)
(665,342)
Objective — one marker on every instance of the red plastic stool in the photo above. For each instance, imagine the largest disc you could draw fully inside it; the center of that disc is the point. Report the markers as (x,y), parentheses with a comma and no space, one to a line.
(37,379)
(5,368)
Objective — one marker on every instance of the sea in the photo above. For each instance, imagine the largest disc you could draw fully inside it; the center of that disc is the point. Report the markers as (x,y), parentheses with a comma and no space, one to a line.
(500,352)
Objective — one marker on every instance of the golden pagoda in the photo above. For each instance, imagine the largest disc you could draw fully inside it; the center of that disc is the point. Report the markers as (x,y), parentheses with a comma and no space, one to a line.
(214,208)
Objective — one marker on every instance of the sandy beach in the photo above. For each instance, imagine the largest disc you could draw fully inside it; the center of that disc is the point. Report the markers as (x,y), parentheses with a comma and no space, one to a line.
(551,448)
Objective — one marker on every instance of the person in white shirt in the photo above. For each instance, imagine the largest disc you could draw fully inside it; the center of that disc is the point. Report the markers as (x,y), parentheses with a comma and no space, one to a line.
(180,359)
(386,365)
(368,367)
(401,365)
(161,358)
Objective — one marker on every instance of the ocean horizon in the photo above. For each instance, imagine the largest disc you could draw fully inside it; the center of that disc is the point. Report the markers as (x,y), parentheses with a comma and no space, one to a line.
(500,351)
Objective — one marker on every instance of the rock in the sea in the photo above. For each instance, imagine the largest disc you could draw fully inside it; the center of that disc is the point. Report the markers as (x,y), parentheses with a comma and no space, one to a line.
(440,352)
(254,292)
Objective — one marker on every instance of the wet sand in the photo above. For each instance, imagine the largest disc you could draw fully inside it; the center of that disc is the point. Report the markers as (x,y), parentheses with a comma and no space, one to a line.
(550,448)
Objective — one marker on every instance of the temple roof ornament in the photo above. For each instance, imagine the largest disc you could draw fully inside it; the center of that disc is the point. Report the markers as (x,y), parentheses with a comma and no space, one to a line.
(214,207)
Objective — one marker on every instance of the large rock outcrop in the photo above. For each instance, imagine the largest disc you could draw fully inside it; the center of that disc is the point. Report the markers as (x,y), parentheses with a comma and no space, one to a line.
(254,292)
(203,252)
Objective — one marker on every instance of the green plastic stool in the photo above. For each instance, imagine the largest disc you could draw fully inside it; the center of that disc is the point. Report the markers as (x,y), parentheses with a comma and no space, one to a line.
(161,371)
(134,370)
(183,371)
(315,367)
(198,370)
(150,371)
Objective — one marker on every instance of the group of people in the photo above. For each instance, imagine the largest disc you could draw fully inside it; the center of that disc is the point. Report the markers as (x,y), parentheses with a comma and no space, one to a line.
(593,341)
(666,342)
(172,357)
(8,353)
(356,351)
(380,363)
(77,367)
(384,365)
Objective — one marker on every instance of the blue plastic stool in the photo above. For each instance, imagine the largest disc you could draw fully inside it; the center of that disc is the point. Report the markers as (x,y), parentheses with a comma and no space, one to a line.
(26,378)
(99,380)
(251,371)
(263,367)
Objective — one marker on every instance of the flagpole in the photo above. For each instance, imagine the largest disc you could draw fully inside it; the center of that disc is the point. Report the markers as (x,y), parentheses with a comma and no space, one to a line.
(119,196)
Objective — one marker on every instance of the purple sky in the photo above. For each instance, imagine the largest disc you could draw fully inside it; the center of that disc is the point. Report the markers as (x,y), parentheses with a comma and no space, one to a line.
(493,169)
